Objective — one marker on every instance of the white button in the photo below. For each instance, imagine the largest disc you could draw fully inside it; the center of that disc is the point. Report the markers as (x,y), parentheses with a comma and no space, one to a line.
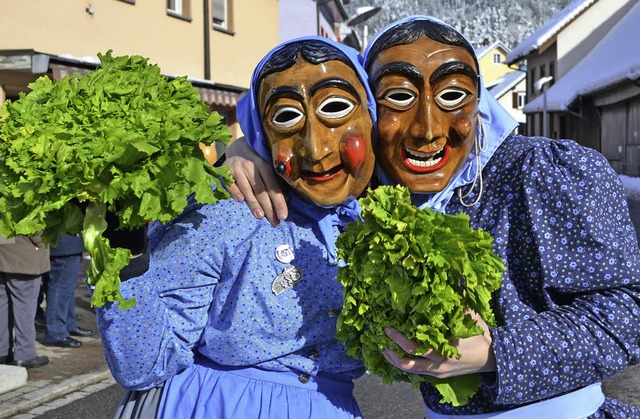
(284,253)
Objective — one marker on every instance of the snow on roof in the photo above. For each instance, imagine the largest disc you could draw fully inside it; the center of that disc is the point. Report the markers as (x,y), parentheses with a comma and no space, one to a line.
(548,30)
(507,82)
(484,50)
(88,59)
(615,59)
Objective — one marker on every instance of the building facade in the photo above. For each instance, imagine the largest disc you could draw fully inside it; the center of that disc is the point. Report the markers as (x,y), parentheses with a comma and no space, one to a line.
(584,79)
(215,43)
(505,83)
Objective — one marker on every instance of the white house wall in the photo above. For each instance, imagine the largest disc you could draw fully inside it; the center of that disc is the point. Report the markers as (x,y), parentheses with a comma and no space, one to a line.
(297,18)
(507,102)
(579,37)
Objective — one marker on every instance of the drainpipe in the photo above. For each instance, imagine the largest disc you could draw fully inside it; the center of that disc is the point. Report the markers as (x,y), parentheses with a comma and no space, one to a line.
(207,41)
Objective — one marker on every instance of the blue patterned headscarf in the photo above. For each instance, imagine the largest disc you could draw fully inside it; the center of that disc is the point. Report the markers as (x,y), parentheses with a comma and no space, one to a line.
(497,124)
(250,119)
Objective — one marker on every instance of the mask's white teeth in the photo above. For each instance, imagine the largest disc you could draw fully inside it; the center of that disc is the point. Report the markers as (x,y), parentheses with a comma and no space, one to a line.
(420,159)
(420,154)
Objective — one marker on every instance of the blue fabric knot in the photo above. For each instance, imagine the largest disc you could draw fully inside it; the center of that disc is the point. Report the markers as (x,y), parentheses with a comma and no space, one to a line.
(327,218)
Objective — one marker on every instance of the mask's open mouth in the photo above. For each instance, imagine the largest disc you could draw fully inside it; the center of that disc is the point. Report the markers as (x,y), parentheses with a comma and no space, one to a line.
(420,162)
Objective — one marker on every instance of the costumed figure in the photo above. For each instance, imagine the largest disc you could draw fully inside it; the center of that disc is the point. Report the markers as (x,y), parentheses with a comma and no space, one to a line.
(236,319)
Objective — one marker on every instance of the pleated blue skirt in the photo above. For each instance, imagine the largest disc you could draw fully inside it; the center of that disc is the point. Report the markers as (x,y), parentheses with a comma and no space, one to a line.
(210,390)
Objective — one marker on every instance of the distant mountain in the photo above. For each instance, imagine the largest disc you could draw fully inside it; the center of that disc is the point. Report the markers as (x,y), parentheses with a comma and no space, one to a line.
(508,21)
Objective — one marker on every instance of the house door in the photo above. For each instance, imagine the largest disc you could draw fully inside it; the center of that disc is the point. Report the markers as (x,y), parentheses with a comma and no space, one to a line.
(613,133)
(633,138)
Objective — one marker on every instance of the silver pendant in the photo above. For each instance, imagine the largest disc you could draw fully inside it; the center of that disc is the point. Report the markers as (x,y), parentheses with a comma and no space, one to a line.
(284,253)
(290,275)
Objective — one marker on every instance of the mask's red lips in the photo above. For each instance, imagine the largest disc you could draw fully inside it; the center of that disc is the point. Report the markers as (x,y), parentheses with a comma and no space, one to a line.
(420,162)
(323,176)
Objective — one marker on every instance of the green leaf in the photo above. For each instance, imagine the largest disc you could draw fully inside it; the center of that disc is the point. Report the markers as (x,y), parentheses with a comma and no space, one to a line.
(123,136)
(404,268)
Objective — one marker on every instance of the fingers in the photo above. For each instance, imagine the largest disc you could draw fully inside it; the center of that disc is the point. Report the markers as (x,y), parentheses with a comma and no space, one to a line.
(255,183)
(267,193)
(249,185)
(235,192)
(413,365)
(407,345)
(273,203)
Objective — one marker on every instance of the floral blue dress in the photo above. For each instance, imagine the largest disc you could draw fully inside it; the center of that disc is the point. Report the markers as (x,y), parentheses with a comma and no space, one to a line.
(568,311)
(212,301)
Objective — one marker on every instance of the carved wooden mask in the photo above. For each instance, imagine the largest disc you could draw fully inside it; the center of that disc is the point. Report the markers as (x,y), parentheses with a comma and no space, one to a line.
(427,97)
(316,120)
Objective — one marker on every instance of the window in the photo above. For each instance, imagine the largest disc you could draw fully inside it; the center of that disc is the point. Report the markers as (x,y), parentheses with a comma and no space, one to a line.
(497,58)
(179,8)
(522,99)
(221,12)
(175,6)
(532,78)
(518,100)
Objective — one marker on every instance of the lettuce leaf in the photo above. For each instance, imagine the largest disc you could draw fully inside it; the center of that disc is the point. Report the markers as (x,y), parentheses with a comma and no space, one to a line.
(123,139)
(416,270)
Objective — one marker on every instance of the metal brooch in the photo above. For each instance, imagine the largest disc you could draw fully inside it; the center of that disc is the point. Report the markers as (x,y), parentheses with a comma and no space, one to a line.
(290,275)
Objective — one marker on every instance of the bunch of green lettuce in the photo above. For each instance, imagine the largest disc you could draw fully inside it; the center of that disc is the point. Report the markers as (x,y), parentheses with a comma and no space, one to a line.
(122,138)
(418,271)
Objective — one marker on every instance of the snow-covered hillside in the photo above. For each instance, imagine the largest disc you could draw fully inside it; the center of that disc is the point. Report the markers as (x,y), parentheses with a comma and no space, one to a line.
(508,21)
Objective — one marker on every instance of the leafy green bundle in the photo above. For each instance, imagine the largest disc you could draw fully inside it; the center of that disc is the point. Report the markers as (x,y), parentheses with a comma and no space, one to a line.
(123,138)
(418,271)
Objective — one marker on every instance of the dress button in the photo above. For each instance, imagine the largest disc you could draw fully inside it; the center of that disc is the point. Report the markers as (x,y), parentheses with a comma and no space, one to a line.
(334,312)
(304,378)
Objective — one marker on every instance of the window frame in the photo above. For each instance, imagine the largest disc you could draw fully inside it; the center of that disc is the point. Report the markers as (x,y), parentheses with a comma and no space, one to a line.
(220,23)
(175,10)
(226,23)
(521,100)
(183,11)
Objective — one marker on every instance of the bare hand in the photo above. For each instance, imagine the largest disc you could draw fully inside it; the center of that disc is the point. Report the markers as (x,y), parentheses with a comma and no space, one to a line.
(255,182)
(476,355)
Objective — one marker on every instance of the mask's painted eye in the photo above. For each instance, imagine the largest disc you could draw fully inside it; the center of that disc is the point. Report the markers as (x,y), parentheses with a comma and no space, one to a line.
(287,117)
(451,97)
(400,97)
(335,108)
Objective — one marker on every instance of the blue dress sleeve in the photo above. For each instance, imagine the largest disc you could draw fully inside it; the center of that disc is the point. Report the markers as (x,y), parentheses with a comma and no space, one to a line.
(572,316)
(147,344)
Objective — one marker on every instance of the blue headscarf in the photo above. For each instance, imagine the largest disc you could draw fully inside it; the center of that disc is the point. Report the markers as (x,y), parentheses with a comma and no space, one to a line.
(249,115)
(497,124)
(250,119)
